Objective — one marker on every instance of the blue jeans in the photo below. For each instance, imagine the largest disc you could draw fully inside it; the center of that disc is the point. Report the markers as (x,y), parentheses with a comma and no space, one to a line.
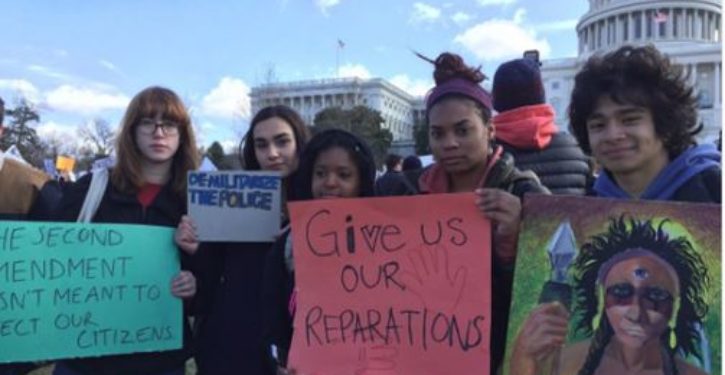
(62,369)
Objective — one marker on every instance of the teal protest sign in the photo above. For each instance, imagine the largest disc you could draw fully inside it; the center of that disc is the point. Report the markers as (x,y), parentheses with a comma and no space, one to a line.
(81,290)
(236,206)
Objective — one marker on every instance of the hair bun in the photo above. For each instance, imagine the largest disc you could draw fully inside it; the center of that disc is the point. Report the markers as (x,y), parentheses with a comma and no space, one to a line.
(449,66)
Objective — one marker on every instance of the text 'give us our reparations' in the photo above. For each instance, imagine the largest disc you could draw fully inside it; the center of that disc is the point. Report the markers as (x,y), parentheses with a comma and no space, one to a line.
(399,282)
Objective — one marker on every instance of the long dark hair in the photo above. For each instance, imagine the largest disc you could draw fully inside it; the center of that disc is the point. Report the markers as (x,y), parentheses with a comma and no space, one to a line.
(290,116)
(359,152)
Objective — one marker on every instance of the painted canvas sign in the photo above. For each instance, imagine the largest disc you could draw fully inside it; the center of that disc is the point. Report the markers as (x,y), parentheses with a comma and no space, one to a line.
(602,286)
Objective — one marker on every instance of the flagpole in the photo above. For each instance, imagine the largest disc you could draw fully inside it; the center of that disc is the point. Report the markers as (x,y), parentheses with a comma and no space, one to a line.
(340,46)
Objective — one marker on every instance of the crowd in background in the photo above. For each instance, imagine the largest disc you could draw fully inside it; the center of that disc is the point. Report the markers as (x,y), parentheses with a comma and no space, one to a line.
(632,115)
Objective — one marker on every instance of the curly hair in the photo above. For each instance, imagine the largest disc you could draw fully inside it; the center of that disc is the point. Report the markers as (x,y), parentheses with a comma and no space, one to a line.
(623,235)
(450,66)
(640,76)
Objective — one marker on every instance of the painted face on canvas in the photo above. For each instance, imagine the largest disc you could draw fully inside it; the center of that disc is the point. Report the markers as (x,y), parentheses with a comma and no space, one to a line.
(639,299)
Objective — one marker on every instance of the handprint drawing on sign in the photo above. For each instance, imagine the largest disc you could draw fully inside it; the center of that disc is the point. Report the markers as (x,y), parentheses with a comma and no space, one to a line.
(434,282)
(377,360)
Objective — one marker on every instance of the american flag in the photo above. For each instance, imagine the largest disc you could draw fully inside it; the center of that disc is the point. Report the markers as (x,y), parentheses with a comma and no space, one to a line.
(660,17)
(340,44)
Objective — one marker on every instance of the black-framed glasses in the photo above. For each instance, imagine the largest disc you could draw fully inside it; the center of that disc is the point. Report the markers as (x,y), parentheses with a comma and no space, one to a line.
(148,126)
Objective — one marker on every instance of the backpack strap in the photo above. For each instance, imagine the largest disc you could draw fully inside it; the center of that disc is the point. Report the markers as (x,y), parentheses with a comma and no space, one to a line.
(94,195)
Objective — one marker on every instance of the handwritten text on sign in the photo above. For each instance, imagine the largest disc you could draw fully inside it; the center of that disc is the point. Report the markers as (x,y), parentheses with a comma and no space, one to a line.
(400,285)
(86,290)
(242,206)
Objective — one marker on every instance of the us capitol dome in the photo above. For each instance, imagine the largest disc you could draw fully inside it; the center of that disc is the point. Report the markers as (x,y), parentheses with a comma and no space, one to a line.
(688,31)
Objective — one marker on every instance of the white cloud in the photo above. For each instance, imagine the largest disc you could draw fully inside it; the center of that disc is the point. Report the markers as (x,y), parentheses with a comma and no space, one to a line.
(51,128)
(461,18)
(63,136)
(325,5)
(562,25)
(424,13)
(229,99)
(228,135)
(108,65)
(49,72)
(84,100)
(519,16)
(26,89)
(417,87)
(207,126)
(354,70)
(485,42)
(485,3)
(229,146)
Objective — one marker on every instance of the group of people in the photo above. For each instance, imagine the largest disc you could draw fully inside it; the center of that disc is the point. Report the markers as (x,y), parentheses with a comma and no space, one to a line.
(631,111)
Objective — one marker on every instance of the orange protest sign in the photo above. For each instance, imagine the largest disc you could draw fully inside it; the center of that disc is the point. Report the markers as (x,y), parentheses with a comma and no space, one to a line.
(396,285)
(64,163)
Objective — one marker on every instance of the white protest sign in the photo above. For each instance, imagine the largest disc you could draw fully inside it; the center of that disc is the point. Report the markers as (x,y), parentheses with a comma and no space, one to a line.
(235,206)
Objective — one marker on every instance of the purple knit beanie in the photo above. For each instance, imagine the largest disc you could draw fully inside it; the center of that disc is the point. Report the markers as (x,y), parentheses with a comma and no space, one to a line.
(517,83)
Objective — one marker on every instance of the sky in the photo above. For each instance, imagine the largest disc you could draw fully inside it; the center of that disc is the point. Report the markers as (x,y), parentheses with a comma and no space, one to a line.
(77,60)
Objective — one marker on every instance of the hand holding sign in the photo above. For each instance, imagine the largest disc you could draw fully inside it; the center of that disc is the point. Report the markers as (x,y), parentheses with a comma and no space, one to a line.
(184,285)
(501,207)
(185,236)
(431,279)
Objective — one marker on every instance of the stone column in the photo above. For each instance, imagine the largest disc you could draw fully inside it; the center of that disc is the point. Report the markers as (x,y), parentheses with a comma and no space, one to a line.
(710,25)
(630,25)
(643,23)
(718,86)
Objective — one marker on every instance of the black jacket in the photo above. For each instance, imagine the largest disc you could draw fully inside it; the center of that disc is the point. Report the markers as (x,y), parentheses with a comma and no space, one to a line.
(117,207)
(276,292)
(385,183)
(229,309)
(562,166)
(505,176)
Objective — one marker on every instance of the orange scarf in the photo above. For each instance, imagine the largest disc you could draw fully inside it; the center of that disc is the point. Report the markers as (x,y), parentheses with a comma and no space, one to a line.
(527,127)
